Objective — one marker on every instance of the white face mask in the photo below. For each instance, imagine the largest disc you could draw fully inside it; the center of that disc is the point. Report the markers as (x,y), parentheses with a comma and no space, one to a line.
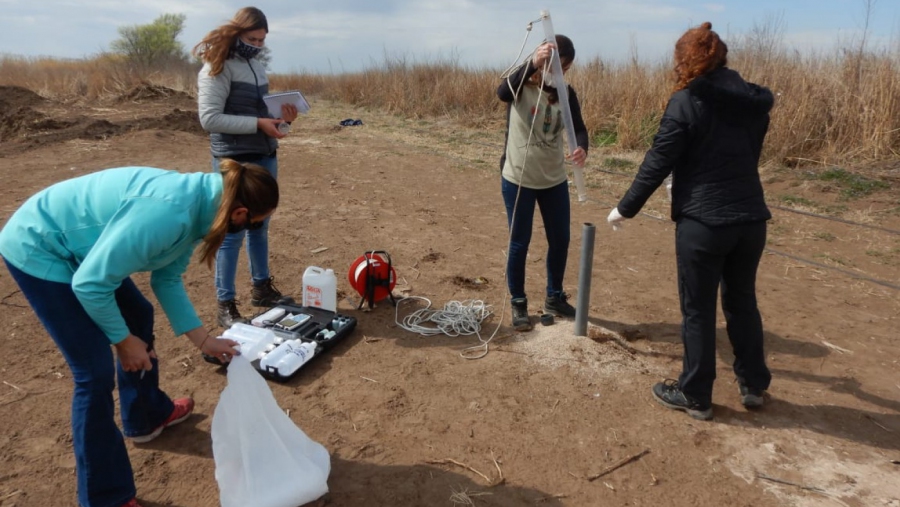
(549,81)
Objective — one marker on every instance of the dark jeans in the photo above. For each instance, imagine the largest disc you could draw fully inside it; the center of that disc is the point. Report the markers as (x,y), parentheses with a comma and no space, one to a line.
(708,257)
(104,472)
(555,212)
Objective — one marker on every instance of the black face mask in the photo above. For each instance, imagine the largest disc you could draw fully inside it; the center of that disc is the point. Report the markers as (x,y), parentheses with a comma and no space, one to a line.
(245,50)
(234,228)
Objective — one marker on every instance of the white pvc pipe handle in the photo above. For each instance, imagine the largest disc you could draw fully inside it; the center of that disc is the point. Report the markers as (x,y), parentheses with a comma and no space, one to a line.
(563,92)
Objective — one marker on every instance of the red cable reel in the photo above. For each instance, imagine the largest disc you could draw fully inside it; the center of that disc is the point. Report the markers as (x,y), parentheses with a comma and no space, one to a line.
(373,277)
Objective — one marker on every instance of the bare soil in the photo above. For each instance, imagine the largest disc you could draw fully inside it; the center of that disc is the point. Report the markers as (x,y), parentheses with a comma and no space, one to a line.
(407,419)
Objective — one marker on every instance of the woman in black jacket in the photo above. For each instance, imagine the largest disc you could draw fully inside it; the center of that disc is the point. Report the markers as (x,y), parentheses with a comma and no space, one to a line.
(709,140)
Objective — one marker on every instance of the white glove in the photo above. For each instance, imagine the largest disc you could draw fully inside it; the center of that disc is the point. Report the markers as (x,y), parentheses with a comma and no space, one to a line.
(615,219)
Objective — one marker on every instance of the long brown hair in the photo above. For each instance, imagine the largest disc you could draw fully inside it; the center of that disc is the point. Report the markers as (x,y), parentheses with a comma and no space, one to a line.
(698,51)
(218,44)
(243,185)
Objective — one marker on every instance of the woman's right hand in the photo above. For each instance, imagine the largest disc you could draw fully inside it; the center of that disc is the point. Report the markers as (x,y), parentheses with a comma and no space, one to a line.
(269,126)
(133,354)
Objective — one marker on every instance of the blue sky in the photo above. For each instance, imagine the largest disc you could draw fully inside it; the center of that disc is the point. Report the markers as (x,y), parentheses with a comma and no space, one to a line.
(349,35)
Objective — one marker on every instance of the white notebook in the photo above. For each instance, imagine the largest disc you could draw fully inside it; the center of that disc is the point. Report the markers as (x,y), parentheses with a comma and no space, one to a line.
(275,100)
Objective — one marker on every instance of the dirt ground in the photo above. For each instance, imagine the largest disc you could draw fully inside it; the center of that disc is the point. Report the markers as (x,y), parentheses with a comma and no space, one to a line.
(407,420)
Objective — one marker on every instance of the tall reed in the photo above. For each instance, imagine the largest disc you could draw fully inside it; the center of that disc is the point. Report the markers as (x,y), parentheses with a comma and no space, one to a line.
(831,108)
(91,79)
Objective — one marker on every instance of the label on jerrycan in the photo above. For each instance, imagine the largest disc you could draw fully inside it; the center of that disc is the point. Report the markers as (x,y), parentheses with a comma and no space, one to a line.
(320,288)
(313,296)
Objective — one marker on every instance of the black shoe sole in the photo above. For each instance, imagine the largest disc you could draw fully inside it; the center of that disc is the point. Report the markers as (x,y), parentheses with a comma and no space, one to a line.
(227,324)
(268,303)
(558,313)
(752,402)
(701,415)
(524,327)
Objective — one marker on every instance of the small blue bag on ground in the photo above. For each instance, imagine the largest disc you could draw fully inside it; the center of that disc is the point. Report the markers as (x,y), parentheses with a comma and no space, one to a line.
(262,458)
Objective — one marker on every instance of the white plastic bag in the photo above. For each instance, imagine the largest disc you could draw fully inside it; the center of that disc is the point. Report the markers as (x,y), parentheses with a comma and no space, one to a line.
(262,458)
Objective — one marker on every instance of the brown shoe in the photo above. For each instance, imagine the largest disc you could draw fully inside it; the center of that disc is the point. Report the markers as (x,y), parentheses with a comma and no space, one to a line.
(229,314)
(265,294)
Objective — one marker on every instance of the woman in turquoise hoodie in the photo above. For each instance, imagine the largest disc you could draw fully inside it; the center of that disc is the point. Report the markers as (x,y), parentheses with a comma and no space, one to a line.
(72,249)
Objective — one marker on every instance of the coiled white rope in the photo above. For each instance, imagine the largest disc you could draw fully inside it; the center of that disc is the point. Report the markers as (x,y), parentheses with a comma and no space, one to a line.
(457,318)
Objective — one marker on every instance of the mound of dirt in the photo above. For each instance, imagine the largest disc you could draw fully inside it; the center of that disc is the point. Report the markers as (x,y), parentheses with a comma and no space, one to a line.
(18,120)
(178,119)
(28,121)
(16,97)
(150,92)
(100,129)
(33,129)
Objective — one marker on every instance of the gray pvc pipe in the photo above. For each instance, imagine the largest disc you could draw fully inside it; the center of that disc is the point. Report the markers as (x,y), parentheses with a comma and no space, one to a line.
(584,279)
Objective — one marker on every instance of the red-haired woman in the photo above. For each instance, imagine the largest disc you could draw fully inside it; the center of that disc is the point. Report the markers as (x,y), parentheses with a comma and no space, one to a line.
(709,140)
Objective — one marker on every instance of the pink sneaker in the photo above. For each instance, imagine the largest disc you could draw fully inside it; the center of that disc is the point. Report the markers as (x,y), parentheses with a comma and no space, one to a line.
(132,503)
(184,407)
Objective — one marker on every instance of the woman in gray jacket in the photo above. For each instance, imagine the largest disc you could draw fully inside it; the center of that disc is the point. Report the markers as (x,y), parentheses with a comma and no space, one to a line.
(231,87)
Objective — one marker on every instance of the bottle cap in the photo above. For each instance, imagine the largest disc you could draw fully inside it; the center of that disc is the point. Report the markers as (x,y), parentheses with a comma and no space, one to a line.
(547,319)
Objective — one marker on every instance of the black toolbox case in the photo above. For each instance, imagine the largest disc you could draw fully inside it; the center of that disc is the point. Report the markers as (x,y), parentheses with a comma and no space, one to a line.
(320,320)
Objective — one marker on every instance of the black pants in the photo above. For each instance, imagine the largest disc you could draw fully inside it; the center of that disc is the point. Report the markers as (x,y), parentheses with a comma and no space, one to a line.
(708,256)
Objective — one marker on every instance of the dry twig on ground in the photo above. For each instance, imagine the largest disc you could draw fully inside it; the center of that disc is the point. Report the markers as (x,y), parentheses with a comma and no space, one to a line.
(619,464)
(491,482)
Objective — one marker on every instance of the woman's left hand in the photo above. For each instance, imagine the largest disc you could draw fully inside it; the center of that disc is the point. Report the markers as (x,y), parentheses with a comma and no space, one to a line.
(222,349)
(288,112)
(578,156)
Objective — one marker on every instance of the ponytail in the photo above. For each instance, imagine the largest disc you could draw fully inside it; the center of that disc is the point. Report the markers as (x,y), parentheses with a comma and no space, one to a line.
(243,185)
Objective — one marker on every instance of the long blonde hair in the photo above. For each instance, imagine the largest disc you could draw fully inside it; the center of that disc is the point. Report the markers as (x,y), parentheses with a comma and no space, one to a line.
(243,185)
(218,44)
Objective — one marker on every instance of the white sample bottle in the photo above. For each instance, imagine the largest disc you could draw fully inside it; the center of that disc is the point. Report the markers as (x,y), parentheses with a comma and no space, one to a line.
(251,339)
(320,288)
(297,357)
(271,359)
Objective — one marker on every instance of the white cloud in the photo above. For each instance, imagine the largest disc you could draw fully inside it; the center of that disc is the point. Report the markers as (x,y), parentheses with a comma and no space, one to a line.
(319,35)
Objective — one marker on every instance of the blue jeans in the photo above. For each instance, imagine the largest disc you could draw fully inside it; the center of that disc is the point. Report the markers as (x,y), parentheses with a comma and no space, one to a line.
(555,212)
(257,246)
(104,472)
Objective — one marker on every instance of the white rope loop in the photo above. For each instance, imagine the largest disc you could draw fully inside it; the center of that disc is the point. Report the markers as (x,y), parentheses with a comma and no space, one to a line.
(457,318)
